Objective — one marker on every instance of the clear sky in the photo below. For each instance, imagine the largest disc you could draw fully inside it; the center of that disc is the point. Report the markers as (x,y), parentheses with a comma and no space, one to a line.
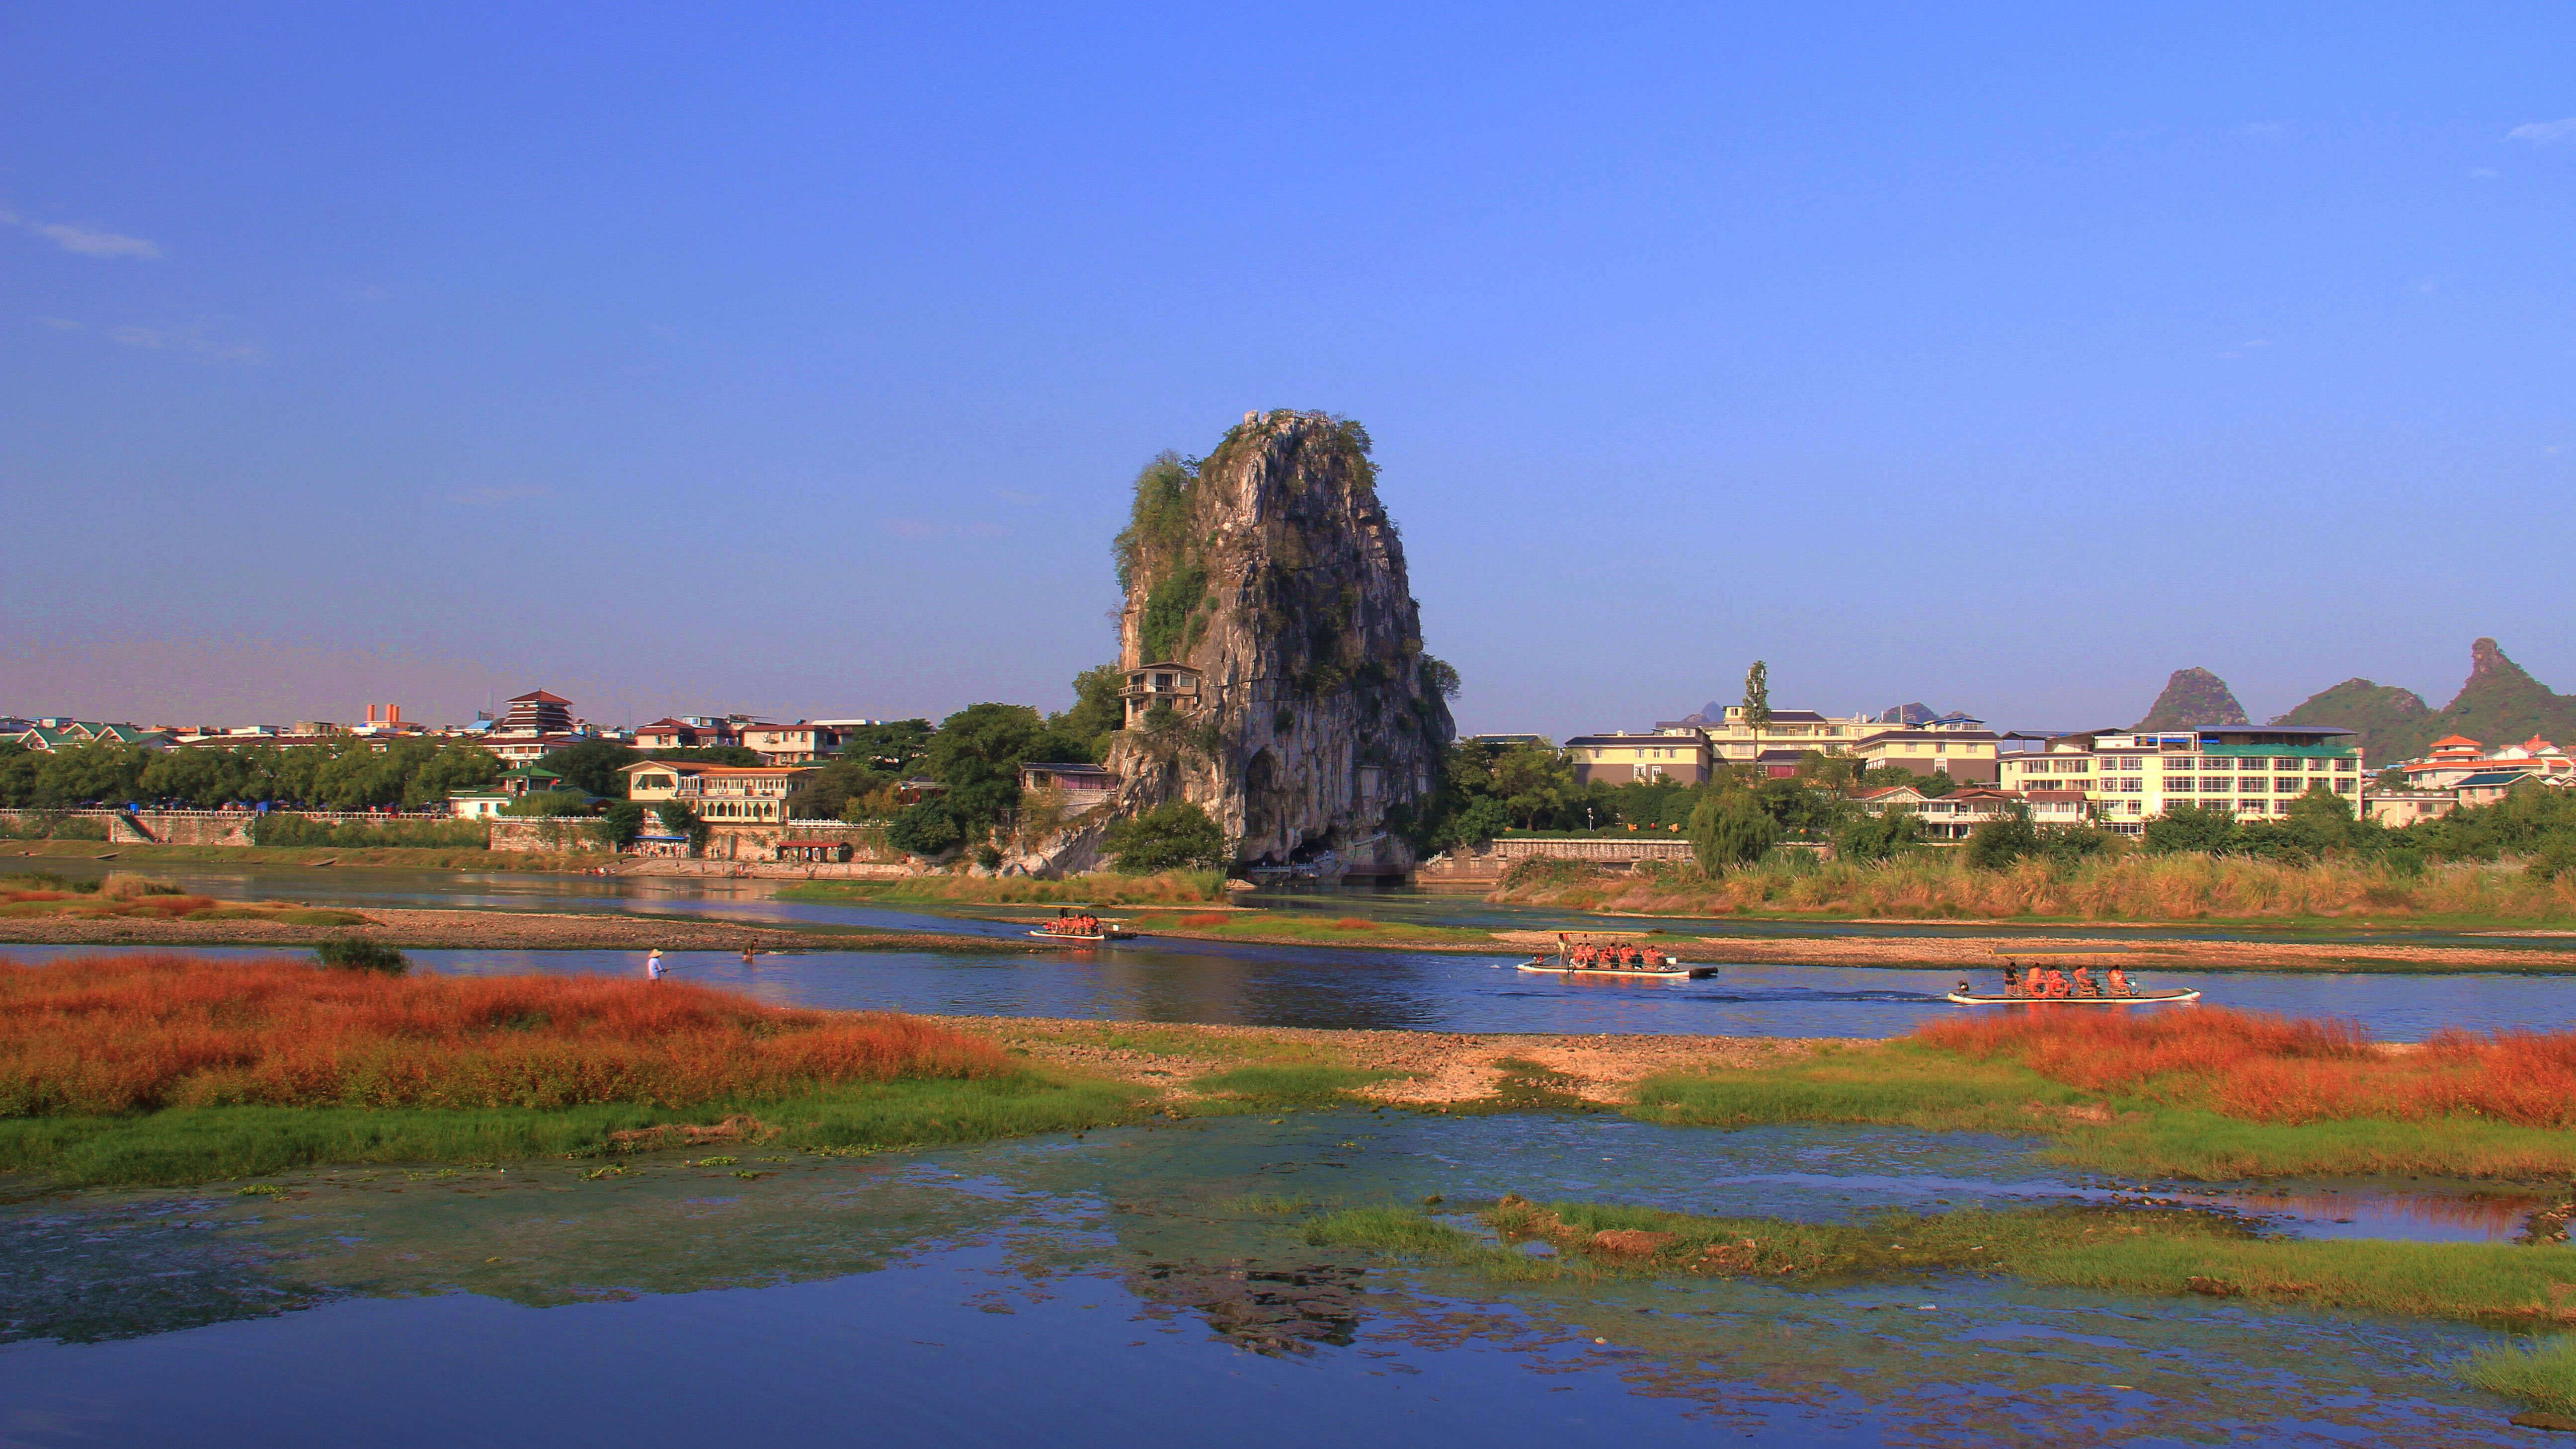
(796,360)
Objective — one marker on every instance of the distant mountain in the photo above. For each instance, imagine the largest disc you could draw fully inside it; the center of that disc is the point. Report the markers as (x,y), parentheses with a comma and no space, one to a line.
(2193,699)
(2391,720)
(2499,705)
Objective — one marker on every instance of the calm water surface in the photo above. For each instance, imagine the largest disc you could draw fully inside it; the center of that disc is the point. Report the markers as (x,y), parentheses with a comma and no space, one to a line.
(1188,981)
(1145,1285)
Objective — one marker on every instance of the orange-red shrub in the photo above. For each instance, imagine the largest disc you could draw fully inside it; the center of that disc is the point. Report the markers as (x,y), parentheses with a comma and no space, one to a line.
(113,1033)
(2275,1069)
(1201,920)
(1354,923)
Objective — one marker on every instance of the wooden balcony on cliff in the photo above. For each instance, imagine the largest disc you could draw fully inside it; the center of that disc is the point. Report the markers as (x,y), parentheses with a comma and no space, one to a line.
(1174,686)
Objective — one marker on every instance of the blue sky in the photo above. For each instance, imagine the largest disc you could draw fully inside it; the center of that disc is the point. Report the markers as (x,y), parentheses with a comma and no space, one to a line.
(796,360)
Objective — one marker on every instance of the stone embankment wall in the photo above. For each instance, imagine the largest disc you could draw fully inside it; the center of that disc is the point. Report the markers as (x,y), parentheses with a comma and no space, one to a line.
(537,834)
(760,842)
(1486,863)
(188,827)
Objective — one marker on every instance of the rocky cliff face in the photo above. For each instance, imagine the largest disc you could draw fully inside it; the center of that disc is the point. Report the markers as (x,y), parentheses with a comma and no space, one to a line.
(2194,699)
(1271,568)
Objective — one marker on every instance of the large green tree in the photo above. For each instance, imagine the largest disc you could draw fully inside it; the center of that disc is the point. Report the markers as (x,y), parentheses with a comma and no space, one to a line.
(977,755)
(592,765)
(1731,829)
(1178,836)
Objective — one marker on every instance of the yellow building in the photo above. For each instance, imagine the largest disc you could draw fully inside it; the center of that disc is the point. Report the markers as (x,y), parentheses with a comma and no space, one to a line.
(720,794)
(2130,777)
(1620,759)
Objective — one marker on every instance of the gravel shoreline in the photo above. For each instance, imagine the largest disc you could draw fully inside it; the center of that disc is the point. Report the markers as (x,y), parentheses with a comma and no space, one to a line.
(1439,1066)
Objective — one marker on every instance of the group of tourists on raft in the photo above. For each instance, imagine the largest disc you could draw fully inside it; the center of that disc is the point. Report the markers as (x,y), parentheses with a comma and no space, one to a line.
(1615,956)
(1083,925)
(2042,983)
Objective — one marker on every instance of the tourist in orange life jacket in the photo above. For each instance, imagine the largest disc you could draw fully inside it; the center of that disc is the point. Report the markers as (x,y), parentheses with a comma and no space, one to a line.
(2117,983)
(2056,983)
(2083,982)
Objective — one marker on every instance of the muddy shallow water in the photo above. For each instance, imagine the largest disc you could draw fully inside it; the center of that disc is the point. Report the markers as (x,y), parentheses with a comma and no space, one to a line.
(1136,1285)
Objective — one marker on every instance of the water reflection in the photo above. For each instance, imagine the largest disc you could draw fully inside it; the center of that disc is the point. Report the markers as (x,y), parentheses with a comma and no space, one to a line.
(1139,1285)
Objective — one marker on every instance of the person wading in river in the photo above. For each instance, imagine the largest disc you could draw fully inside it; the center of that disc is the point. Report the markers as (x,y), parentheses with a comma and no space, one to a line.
(653,967)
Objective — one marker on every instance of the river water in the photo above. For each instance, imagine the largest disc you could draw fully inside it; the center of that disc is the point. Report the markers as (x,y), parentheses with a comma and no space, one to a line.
(1300,986)
(1149,1284)
(1139,1285)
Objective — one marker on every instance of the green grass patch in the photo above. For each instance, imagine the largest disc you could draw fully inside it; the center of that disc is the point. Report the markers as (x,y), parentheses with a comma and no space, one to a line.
(1287,1086)
(1399,1230)
(2159,1252)
(2541,1374)
(1903,1084)
(186,1145)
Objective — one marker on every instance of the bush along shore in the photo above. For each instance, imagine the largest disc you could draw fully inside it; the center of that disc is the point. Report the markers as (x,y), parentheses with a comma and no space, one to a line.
(2131,888)
(2208,1095)
(164,1068)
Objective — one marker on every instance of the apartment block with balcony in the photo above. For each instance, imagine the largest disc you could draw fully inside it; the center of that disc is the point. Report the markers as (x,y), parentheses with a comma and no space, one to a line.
(2128,777)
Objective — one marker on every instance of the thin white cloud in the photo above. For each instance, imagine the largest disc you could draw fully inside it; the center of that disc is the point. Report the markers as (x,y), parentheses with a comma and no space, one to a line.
(2544,133)
(189,342)
(90,241)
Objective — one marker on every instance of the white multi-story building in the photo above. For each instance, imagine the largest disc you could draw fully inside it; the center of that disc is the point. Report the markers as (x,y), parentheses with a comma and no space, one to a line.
(2129,777)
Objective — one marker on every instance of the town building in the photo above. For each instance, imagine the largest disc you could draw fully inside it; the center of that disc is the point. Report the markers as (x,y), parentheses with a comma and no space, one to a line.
(1168,685)
(537,712)
(48,735)
(1790,735)
(2132,776)
(697,732)
(762,794)
(527,749)
(1082,786)
(1966,753)
(2454,758)
(1945,817)
(802,743)
(2397,809)
(1680,756)
(2488,786)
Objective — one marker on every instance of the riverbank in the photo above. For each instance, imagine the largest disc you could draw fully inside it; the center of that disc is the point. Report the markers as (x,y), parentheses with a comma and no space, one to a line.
(2125,887)
(400,857)
(474,930)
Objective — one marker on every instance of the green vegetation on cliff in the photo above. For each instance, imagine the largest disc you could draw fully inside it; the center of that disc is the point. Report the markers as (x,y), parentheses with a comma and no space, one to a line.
(2499,704)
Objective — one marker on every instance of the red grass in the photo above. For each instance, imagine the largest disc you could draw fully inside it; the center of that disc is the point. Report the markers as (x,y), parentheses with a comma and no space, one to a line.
(1203,919)
(116,1033)
(1354,923)
(2272,1069)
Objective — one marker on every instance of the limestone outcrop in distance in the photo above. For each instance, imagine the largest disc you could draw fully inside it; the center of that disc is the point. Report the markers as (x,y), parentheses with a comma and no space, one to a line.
(1271,568)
